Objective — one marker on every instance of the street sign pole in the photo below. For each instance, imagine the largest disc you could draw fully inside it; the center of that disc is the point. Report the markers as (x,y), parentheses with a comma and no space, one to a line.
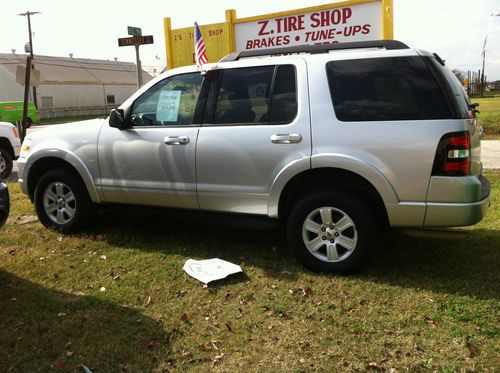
(136,40)
(139,67)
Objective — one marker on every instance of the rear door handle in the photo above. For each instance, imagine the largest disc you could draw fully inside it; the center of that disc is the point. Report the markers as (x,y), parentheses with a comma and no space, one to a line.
(176,140)
(289,138)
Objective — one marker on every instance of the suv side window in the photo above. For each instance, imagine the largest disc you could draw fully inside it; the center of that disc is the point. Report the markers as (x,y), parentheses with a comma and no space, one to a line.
(382,89)
(260,95)
(170,102)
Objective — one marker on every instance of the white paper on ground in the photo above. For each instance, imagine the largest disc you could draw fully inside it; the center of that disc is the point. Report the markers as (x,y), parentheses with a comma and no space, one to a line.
(210,269)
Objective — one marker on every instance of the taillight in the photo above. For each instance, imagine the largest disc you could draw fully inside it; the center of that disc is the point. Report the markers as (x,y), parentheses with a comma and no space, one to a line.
(453,155)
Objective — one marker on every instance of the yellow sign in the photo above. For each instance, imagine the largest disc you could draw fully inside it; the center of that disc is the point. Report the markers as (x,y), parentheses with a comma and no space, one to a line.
(344,21)
(181,42)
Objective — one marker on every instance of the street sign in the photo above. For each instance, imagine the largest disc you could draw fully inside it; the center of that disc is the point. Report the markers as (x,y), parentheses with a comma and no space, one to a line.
(135,40)
(134,31)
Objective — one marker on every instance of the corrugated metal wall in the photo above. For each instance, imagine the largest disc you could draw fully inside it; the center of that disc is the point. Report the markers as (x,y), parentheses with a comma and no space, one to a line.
(67,99)
(66,95)
(9,89)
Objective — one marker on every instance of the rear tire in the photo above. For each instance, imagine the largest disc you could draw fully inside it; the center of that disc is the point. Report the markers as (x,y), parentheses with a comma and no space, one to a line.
(5,163)
(332,231)
(62,201)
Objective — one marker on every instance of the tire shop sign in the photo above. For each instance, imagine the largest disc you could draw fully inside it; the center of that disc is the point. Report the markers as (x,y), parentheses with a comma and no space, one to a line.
(345,21)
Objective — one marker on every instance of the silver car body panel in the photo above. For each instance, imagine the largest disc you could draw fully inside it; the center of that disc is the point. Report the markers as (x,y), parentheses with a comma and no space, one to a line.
(75,143)
(237,165)
(137,166)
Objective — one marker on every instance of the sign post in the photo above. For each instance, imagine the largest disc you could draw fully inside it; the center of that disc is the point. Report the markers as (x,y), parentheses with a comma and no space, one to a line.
(136,40)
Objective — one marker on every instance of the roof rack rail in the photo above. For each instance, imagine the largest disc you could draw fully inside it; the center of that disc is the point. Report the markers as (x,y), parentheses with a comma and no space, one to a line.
(316,49)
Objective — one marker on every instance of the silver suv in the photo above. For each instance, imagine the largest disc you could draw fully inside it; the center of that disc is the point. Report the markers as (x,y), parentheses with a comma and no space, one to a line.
(335,140)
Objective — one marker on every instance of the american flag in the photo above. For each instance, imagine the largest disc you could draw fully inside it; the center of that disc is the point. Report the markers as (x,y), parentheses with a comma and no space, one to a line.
(200,51)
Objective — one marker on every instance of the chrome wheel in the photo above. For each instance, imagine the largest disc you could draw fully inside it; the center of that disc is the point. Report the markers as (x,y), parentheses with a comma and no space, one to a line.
(329,234)
(3,164)
(59,203)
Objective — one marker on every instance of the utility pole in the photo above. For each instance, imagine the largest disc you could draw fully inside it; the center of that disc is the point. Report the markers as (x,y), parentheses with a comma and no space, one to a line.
(28,14)
(484,50)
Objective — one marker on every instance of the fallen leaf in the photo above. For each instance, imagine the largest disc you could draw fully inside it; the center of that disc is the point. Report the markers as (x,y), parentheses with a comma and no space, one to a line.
(59,238)
(61,314)
(103,257)
(302,360)
(102,288)
(185,318)
(214,345)
(307,292)
(69,353)
(149,344)
(58,364)
(203,347)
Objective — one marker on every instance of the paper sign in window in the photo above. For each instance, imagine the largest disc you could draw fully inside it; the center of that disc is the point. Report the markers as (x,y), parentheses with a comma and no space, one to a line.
(168,106)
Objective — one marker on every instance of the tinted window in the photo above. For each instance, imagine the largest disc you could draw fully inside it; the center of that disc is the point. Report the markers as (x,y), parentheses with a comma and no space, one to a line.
(170,102)
(396,88)
(251,95)
(284,98)
(243,95)
(461,97)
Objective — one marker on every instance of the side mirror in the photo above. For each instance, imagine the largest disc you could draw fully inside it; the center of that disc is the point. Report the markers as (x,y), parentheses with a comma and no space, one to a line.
(117,119)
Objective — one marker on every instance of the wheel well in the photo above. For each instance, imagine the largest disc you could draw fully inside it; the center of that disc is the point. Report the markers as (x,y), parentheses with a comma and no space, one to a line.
(331,178)
(5,144)
(47,164)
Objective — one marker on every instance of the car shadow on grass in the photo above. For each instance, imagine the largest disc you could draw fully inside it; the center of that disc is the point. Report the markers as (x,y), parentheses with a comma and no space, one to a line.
(463,263)
(466,264)
(43,329)
(240,240)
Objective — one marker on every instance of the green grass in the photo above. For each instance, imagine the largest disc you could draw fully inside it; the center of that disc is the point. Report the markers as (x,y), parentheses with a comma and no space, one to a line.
(489,116)
(424,305)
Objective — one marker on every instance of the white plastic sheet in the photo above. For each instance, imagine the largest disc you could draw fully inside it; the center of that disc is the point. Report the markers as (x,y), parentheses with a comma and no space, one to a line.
(210,269)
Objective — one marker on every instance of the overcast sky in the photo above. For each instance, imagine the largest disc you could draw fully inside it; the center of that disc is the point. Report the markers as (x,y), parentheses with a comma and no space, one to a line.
(453,28)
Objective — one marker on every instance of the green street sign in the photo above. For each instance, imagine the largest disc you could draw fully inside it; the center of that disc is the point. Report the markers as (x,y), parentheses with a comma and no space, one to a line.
(134,31)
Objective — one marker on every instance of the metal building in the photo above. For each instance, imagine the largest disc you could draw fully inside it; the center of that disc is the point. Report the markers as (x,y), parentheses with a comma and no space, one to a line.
(71,86)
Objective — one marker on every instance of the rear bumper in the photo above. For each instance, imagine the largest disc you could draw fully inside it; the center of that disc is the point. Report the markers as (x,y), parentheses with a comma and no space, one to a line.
(445,214)
(4,203)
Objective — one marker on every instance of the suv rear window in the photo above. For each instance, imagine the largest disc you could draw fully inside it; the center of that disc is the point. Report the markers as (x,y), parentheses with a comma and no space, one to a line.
(381,89)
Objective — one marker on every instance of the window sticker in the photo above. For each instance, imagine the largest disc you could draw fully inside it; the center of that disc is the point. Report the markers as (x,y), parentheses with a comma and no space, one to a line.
(168,106)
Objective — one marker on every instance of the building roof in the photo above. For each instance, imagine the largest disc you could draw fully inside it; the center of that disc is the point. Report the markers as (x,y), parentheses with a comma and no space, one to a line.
(66,70)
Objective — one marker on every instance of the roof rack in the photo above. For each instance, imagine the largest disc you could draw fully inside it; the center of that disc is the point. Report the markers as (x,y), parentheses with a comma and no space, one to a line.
(316,49)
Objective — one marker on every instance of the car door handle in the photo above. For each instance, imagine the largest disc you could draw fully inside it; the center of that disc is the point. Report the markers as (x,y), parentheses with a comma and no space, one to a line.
(289,138)
(176,140)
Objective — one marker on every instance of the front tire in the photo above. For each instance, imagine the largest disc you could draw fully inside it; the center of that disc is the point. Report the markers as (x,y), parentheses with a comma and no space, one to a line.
(5,163)
(332,231)
(62,202)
